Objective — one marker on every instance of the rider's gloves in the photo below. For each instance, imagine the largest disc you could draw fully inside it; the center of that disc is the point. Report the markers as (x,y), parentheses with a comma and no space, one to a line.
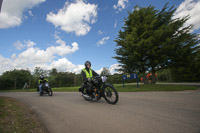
(103,78)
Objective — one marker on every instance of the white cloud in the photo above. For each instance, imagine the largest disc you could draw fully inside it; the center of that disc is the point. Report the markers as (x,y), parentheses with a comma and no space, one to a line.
(74,17)
(191,8)
(29,44)
(102,41)
(100,32)
(121,5)
(99,71)
(19,45)
(112,69)
(6,64)
(13,56)
(33,56)
(64,65)
(62,49)
(12,11)
(30,13)
(115,25)
(39,56)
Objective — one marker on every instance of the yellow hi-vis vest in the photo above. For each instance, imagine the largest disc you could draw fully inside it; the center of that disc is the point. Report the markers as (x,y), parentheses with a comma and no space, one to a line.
(88,75)
(44,80)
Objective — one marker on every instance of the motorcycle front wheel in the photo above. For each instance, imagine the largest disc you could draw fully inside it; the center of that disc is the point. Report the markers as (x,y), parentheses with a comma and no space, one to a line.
(50,92)
(111,94)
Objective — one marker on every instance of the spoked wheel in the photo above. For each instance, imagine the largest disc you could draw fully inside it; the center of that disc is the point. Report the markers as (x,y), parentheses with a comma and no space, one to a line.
(111,94)
(50,92)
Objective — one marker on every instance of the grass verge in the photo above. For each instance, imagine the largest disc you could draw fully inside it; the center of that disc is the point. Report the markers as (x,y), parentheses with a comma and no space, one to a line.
(133,88)
(142,88)
(17,117)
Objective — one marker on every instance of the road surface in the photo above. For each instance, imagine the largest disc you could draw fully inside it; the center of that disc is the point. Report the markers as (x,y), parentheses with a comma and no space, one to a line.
(136,112)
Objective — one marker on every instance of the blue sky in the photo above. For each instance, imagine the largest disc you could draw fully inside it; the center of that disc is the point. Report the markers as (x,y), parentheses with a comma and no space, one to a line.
(63,34)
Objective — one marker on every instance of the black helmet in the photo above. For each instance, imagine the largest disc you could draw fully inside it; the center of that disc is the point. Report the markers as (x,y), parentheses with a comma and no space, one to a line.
(86,63)
(41,77)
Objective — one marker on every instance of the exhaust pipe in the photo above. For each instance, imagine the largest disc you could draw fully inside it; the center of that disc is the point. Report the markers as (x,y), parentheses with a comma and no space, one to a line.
(86,96)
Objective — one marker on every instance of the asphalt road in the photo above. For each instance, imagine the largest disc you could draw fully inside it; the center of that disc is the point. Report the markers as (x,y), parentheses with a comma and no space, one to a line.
(136,112)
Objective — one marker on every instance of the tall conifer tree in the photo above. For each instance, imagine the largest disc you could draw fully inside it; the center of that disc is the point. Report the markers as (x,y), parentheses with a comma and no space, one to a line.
(153,40)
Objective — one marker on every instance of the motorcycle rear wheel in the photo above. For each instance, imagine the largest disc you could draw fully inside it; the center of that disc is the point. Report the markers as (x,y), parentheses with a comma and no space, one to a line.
(111,94)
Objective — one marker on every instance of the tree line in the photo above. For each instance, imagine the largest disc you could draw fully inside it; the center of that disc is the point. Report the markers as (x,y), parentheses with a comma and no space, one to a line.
(16,79)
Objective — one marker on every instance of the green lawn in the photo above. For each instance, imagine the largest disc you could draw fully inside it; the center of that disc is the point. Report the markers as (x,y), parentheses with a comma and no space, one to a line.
(133,88)
(127,88)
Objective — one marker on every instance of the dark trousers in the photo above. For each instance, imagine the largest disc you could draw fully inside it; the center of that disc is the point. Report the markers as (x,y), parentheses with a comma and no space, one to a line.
(88,87)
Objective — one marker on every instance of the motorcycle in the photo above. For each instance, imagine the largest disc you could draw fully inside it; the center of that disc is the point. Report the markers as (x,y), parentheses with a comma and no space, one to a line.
(46,89)
(100,88)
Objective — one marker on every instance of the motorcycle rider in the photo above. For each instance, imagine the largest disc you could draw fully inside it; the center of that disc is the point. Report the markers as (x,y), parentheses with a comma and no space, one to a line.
(40,82)
(87,74)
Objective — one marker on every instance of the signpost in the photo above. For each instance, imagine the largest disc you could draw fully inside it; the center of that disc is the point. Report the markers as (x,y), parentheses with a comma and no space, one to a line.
(130,76)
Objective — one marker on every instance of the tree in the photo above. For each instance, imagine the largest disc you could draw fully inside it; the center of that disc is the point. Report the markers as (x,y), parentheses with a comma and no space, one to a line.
(37,72)
(151,39)
(187,68)
(64,79)
(105,72)
(15,79)
(53,72)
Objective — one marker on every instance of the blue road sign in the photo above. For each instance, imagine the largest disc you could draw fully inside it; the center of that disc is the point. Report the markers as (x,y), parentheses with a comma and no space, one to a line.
(130,76)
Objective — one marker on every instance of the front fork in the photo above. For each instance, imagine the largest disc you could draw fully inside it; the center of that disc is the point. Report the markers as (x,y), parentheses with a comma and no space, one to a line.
(103,88)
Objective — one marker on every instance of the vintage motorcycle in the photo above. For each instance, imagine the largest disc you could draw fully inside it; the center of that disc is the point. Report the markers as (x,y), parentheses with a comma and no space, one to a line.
(100,88)
(46,89)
